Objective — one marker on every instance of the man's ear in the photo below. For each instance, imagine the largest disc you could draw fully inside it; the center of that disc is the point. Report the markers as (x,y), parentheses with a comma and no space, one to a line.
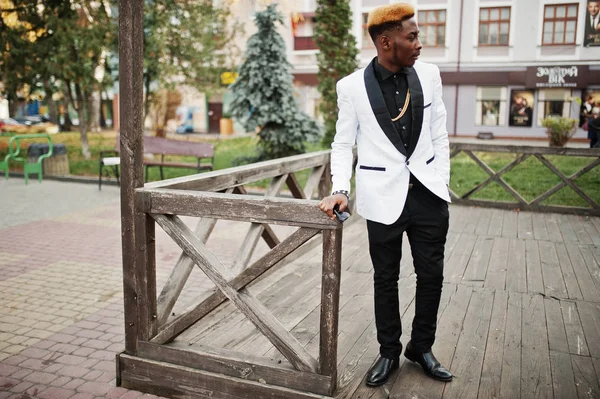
(384,42)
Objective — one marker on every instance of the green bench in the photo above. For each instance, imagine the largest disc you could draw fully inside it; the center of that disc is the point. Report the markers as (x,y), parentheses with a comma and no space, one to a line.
(14,153)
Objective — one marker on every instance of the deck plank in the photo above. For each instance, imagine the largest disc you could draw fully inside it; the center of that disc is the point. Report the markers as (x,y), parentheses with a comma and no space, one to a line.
(525,226)
(510,383)
(586,379)
(510,224)
(573,329)
(535,283)
(496,274)
(554,284)
(470,350)
(573,290)
(536,378)
(589,314)
(516,270)
(563,380)
(554,234)
(491,372)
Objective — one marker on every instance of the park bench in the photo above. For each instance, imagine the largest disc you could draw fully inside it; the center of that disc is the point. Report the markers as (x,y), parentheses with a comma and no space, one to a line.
(14,153)
(163,147)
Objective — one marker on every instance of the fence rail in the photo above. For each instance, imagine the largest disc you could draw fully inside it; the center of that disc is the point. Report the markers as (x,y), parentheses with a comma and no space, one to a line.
(523,153)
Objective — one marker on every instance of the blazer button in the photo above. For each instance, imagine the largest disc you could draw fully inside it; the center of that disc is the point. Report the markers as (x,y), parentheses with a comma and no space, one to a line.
(407,163)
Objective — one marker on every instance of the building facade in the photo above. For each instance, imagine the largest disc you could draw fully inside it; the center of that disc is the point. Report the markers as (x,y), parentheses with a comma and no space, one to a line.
(505,64)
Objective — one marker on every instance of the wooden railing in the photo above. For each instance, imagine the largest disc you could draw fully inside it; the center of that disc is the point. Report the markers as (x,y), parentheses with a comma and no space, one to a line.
(523,153)
(222,195)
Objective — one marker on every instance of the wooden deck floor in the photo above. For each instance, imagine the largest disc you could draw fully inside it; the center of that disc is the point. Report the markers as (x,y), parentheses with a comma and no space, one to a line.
(519,315)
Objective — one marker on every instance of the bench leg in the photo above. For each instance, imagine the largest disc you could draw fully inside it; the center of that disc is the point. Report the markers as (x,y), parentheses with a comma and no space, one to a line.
(100,169)
(117,174)
(162,176)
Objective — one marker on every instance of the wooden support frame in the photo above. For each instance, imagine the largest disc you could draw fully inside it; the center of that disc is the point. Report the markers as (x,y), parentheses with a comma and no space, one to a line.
(525,152)
(147,364)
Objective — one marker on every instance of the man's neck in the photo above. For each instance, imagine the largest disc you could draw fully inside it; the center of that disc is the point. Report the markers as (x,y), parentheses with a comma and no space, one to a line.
(389,66)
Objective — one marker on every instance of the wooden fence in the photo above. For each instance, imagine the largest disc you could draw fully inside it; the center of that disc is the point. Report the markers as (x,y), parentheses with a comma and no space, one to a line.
(523,153)
(149,363)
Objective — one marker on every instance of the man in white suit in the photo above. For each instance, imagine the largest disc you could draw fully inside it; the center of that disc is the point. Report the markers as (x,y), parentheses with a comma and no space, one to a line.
(393,111)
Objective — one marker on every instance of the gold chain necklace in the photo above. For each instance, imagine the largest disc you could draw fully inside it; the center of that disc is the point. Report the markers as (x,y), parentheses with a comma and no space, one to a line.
(404,107)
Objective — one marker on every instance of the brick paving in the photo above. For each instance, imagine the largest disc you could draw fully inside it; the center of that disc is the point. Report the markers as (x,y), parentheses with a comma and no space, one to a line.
(61,306)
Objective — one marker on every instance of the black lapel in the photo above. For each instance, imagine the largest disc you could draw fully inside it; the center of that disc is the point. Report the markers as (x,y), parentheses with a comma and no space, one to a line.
(379,108)
(416,104)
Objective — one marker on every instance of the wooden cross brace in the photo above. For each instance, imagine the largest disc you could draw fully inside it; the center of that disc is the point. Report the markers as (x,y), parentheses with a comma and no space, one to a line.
(242,299)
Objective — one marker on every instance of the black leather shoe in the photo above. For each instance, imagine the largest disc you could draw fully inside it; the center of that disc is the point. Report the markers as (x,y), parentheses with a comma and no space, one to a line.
(429,363)
(380,372)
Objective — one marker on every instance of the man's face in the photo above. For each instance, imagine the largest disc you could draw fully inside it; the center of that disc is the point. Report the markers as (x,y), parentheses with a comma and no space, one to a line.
(593,8)
(404,44)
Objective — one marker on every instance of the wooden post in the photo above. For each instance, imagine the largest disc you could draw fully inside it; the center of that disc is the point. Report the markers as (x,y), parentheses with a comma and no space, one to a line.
(325,183)
(138,272)
(330,303)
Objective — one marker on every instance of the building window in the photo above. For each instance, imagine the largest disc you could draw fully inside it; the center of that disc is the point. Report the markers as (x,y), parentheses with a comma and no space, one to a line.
(303,28)
(432,26)
(494,26)
(553,102)
(491,106)
(367,42)
(560,24)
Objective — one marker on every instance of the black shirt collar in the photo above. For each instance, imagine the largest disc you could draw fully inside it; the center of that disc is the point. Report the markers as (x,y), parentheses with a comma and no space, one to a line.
(383,73)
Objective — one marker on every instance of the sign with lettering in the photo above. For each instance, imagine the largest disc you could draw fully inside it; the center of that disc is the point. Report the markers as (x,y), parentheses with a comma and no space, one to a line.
(567,76)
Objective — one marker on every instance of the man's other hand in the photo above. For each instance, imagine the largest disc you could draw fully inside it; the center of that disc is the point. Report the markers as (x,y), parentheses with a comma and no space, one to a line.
(328,203)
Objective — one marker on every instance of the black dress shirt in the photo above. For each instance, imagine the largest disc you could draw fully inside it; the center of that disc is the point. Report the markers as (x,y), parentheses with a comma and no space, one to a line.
(394,87)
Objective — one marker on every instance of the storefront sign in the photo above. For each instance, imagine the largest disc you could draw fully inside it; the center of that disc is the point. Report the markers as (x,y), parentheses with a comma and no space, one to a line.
(521,108)
(569,76)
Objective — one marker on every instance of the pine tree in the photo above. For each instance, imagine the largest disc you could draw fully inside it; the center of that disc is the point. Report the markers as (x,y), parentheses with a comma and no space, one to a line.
(263,93)
(337,56)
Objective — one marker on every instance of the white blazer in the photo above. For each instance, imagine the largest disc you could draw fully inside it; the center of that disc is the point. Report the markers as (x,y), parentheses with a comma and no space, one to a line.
(384,165)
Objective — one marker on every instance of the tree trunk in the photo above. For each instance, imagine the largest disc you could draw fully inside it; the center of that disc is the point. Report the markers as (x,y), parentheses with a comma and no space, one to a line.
(52,109)
(83,122)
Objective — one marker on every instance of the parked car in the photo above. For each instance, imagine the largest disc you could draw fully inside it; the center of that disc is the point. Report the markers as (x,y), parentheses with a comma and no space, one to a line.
(32,125)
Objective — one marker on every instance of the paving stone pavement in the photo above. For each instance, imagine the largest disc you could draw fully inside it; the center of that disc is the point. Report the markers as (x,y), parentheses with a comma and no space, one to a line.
(61,302)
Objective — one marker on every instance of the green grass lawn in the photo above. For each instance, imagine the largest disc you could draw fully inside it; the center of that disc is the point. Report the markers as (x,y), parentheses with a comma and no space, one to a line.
(530,179)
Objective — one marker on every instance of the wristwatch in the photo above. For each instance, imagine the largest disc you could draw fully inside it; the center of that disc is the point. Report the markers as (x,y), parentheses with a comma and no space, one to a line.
(345,192)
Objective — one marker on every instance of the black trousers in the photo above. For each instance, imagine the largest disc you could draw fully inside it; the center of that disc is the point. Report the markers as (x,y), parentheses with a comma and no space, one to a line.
(425,221)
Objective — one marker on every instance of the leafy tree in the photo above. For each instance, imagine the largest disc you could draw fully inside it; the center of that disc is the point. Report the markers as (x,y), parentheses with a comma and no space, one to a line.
(57,45)
(189,43)
(337,56)
(263,93)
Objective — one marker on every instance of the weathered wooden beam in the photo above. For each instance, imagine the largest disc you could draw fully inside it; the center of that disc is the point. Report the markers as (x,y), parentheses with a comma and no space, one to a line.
(255,231)
(567,181)
(313,181)
(246,208)
(527,207)
(180,273)
(138,274)
(221,179)
(325,182)
(330,303)
(234,364)
(269,236)
(175,381)
(214,299)
(531,150)
(495,176)
(243,300)
(295,187)
(498,179)
(560,185)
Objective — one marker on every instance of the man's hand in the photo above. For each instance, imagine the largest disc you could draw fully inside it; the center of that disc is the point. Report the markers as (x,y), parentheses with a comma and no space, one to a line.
(328,203)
